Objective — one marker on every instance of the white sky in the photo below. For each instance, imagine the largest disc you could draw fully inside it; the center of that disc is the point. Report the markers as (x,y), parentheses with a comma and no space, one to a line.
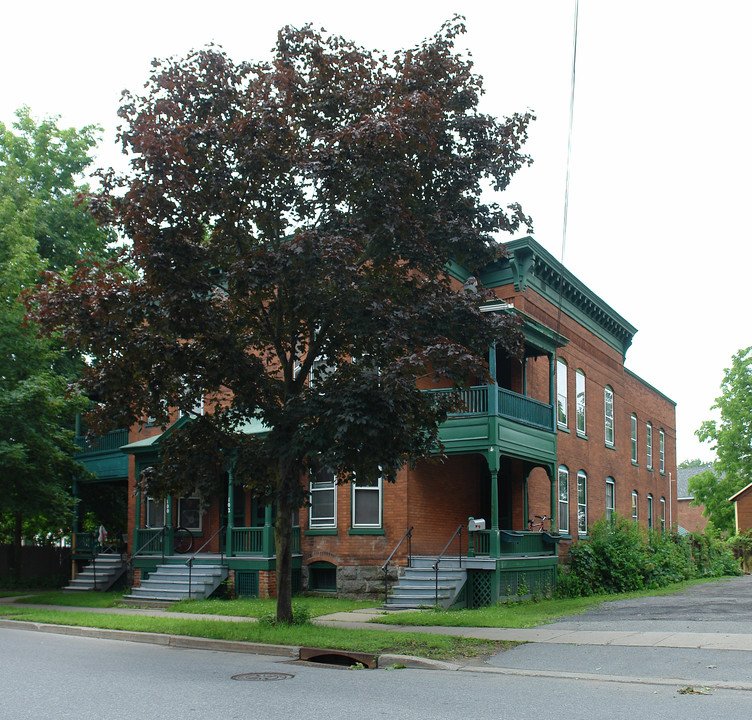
(658,223)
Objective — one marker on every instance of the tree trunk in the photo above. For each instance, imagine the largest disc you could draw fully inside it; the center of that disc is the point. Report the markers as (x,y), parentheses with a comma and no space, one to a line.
(283,544)
(15,552)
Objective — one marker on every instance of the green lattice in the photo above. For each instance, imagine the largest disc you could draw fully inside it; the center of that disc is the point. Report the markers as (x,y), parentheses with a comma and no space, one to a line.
(246,583)
(481,588)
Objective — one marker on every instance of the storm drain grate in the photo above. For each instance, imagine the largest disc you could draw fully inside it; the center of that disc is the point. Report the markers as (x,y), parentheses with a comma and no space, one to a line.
(263,676)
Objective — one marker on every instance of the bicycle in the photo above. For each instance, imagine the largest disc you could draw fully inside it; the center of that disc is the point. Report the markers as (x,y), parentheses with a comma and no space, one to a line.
(183,541)
(538,526)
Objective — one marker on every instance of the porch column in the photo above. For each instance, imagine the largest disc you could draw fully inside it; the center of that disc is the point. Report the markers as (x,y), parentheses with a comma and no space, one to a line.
(169,536)
(268,537)
(554,499)
(524,376)
(230,505)
(137,514)
(525,502)
(492,362)
(493,465)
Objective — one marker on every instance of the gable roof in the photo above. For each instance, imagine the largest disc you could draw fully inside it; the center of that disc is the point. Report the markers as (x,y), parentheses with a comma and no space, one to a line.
(738,496)
(682,480)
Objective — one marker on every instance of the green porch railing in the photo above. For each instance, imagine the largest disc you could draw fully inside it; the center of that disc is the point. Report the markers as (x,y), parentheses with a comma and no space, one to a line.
(512,405)
(250,540)
(106,443)
(85,543)
(525,543)
(151,541)
(524,409)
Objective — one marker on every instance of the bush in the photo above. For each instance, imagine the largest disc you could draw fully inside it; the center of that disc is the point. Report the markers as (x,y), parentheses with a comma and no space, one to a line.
(619,556)
(300,616)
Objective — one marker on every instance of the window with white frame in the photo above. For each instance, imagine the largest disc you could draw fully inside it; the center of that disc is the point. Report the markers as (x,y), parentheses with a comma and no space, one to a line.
(563,499)
(650,512)
(155,512)
(366,503)
(561,392)
(610,498)
(633,436)
(189,513)
(580,401)
(649,444)
(662,451)
(663,514)
(581,503)
(634,505)
(322,512)
(608,413)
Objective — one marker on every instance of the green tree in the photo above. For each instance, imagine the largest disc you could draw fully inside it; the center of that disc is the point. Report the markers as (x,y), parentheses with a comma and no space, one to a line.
(41,228)
(293,221)
(732,442)
(691,463)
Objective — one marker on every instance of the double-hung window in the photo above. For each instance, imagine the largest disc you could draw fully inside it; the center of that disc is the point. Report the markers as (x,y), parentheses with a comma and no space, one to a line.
(650,512)
(633,437)
(155,512)
(662,451)
(561,393)
(563,499)
(580,401)
(189,513)
(649,444)
(322,512)
(608,412)
(663,514)
(634,505)
(610,498)
(581,503)
(366,503)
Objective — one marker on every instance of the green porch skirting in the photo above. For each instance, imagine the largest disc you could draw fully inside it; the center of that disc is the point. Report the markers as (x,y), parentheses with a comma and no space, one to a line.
(512,579)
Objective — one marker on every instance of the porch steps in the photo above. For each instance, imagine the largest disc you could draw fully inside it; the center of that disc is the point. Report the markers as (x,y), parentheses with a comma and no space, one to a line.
(417,586)
(170,583)
(101,573)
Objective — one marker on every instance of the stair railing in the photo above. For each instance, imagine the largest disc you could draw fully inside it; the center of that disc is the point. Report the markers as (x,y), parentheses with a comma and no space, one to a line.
(458,534)
(189,561)
(161,534)
(385,567)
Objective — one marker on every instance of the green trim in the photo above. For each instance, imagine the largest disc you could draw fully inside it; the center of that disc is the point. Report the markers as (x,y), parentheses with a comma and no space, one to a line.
(529,264)
(366,531)
(563,428)
(635,464)
(609,446)
(321,531)
(583,436)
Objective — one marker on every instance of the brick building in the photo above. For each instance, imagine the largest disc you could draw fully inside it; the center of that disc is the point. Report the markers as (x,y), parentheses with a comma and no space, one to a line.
(568,434)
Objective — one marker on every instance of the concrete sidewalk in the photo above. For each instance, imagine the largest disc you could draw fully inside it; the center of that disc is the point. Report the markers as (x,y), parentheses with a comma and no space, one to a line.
(546,634)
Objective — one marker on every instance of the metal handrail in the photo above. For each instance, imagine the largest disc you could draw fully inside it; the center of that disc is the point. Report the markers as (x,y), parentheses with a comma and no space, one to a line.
(385,566)
(457,533)
(189,561)
(161,532)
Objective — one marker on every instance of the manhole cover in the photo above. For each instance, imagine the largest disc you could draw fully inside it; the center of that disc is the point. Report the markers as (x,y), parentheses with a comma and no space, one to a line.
(263,676)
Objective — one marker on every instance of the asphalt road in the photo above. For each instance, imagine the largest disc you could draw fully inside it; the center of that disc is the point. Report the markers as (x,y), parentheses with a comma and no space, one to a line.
(717,607)
(56,677)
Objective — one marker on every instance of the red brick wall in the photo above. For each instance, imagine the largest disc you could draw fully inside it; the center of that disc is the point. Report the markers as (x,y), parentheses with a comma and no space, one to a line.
(690,517)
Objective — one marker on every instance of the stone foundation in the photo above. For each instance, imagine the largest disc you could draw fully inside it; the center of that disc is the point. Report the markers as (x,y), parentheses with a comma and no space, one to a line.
(360,582)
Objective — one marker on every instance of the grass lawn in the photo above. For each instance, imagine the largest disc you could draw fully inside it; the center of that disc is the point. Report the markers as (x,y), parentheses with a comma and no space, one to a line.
(523,614)
(444,647)
(257,608)
(92,598)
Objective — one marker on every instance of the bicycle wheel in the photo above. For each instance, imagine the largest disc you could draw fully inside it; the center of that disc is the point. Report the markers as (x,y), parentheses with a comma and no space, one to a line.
(183,540)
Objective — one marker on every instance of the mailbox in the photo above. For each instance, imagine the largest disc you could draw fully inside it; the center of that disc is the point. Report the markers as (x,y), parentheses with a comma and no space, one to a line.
(473,525)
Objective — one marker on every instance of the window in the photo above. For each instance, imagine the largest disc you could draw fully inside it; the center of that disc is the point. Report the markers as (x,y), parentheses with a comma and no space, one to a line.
(322,576)
(563,499)
(608,405)
(580,401)
(633,437)
(634,505)
(610,498)
(649,444)
(582,503)
(189,513)
(366,503)
(662,452)
(561,393)
(322,512)
(650,512)
(155,513)
(663,514)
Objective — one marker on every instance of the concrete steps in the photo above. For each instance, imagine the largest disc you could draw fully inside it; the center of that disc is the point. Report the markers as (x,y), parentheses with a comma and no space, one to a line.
(417,586)
(171,583)
(104,570)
